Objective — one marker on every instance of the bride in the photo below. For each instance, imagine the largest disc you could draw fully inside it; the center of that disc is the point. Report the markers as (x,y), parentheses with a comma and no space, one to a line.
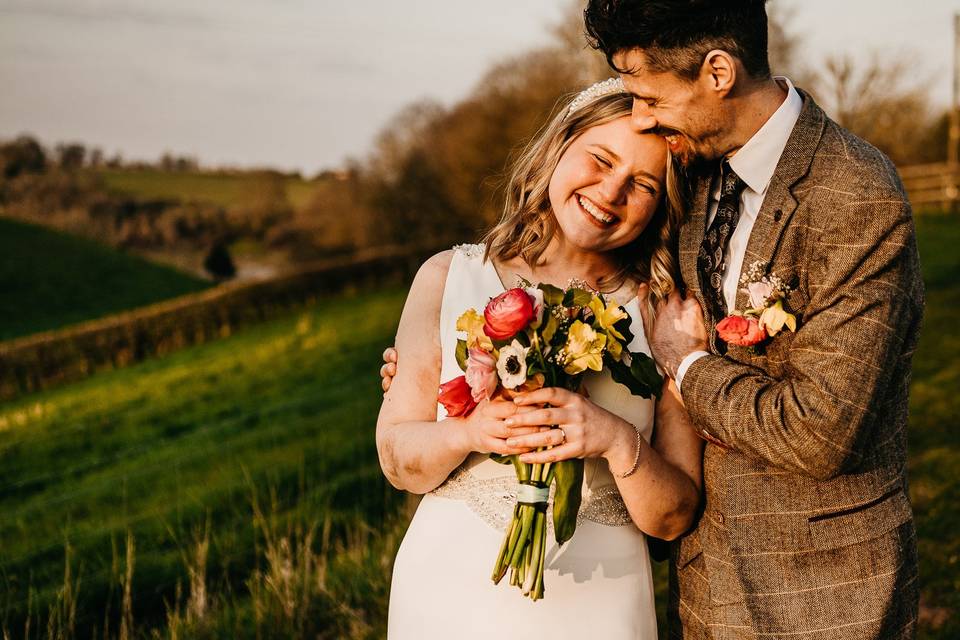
(594,202)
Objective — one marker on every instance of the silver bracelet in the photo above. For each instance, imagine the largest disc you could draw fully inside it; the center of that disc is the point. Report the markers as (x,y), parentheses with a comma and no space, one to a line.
(636,458)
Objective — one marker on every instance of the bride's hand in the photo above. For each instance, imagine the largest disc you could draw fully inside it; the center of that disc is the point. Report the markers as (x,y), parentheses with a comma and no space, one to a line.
(583,430)
(486,431)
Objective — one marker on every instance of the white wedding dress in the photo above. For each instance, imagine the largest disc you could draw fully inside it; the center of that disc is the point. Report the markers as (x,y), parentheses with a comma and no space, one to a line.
(597,586)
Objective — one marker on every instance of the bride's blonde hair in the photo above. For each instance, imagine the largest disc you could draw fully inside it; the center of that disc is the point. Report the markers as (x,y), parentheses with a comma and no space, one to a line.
(527,224)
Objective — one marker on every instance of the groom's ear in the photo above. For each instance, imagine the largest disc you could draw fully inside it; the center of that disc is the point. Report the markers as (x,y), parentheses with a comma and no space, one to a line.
(719,72)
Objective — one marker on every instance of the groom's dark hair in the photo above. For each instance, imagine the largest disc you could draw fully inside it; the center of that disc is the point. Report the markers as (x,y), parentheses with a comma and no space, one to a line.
(676,35)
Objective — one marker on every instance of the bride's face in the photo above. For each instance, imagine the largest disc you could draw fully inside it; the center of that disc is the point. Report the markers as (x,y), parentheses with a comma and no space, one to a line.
(607,185)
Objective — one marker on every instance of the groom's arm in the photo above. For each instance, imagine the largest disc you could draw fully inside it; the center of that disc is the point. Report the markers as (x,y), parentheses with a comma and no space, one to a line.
(866,300)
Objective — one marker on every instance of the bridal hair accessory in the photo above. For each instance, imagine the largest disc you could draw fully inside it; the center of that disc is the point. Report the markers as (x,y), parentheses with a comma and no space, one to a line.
(594,91)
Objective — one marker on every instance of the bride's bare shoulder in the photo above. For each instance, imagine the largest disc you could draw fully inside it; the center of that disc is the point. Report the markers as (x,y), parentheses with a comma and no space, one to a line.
(427,287)
(433,272)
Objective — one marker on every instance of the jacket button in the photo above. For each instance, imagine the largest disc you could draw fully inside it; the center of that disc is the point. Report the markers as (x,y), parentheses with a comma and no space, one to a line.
(777,215)
(720,518)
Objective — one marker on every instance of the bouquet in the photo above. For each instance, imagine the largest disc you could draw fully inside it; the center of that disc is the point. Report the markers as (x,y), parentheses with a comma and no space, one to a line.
(529,337)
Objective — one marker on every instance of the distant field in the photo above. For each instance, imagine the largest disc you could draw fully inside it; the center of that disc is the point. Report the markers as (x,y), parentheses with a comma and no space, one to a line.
(163,447)
(224,190)
(49,280)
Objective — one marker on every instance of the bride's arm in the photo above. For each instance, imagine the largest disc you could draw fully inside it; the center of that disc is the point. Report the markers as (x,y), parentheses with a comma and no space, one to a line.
(675,464)
(663,491)
(416,452)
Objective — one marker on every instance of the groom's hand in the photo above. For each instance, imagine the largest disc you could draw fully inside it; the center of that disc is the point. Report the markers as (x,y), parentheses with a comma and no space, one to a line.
(675,332)
(389,368)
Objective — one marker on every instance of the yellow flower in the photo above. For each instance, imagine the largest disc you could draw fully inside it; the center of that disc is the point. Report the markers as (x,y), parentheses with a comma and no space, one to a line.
(472,322)
(774,318)
(607,316)
(584,348)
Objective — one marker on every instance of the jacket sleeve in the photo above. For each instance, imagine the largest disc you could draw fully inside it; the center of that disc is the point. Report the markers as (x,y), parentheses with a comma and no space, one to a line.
(866,299)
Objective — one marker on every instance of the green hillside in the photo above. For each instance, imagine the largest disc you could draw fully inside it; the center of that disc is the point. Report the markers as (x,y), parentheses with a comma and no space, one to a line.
(222,189)
(51,279)
(282,416)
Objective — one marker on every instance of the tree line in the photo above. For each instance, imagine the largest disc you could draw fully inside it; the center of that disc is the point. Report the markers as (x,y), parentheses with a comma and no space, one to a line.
(435,173)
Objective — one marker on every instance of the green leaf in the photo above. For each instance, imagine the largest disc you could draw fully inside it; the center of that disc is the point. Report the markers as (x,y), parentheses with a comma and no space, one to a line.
(644,381)
(551,294)
(549,329)
(577,297)
(462,354)
(568,475)
(623,326)
(644,369)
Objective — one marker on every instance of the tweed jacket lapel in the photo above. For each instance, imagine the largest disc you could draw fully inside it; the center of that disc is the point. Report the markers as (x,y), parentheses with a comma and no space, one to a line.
(779,204)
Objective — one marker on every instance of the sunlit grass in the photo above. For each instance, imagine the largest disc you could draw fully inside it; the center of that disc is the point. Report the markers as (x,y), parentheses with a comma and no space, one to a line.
(159,447)
(221,189)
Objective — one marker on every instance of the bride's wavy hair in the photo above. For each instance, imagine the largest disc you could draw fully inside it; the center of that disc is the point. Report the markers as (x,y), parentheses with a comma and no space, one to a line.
(527,223)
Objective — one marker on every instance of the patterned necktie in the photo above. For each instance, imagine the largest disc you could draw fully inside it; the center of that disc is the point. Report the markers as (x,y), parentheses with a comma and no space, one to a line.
(711,260)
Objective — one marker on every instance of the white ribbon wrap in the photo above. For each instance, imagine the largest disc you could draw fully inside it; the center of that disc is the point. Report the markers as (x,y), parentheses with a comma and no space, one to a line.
(529,494)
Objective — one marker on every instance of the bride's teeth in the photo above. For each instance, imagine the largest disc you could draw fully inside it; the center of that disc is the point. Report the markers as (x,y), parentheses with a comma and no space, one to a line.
(593,211)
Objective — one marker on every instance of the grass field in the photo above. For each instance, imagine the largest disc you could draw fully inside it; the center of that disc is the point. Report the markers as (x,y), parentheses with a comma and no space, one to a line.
(285,410)
(73,279)
(174,451)
(219,189)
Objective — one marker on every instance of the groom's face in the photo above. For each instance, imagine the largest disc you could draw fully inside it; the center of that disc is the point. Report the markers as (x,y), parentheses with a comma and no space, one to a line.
(684,112)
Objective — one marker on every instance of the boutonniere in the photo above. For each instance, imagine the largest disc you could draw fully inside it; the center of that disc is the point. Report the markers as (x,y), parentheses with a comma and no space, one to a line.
(765,317)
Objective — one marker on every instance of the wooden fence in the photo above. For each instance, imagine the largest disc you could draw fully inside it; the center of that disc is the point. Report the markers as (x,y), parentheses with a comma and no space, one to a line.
(48,359)
(932,186)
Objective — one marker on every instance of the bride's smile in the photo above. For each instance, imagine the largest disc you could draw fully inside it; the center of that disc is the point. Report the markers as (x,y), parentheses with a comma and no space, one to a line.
(606,186)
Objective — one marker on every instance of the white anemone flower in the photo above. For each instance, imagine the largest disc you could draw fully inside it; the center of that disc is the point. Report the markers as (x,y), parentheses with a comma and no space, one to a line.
(512,365)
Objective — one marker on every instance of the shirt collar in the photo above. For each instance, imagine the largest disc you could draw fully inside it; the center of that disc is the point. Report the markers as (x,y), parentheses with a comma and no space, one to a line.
(756,161)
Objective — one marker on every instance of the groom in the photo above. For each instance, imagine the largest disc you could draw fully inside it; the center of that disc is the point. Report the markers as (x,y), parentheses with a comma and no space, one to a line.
(807,531)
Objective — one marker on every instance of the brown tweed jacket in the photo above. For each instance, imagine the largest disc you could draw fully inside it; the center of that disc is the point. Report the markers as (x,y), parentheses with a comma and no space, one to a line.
(807,531)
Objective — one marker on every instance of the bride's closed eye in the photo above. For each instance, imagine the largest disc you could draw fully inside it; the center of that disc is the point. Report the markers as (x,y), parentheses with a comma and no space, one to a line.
(645,186)
(602,161)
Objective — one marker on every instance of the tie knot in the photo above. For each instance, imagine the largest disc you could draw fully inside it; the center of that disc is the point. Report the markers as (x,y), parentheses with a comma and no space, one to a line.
(731,184)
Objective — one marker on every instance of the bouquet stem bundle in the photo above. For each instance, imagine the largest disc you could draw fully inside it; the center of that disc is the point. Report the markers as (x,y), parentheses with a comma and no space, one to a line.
(524,546)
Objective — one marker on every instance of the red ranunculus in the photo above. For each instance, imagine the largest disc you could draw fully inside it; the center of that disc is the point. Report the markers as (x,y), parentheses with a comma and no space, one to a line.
(456,397)
(741,331)
(508,313)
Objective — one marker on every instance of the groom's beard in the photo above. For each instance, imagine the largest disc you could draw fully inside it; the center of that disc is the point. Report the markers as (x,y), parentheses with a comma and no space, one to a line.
(694,166)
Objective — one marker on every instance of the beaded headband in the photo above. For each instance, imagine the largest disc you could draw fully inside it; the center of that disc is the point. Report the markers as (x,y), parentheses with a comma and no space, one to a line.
(594,91)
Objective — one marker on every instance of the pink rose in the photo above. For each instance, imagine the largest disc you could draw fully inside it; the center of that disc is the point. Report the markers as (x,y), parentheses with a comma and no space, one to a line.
(536,297)
(508,313)
(759,293)
(741,331)
(456,398)
(481,374)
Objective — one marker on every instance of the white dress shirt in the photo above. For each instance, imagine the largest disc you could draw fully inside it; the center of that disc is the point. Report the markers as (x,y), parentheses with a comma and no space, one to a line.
(755,163)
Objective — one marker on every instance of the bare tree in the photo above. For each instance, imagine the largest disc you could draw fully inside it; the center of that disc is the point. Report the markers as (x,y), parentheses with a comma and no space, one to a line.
(881,99)
(784,46)
(569,35)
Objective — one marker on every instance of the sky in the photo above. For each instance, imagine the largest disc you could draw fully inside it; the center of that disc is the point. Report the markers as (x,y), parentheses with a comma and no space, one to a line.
(306,84)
